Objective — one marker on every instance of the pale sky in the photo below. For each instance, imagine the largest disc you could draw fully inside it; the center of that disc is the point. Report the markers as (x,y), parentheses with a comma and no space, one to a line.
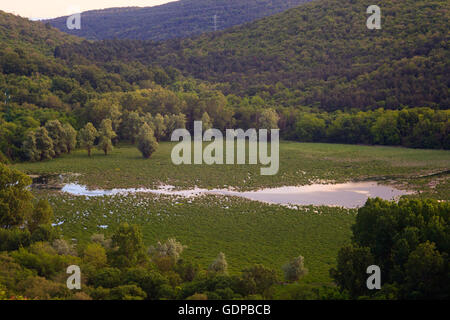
(35,9)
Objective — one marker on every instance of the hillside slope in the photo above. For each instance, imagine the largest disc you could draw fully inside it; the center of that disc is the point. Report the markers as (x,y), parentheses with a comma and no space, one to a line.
(319,54)
(177,19)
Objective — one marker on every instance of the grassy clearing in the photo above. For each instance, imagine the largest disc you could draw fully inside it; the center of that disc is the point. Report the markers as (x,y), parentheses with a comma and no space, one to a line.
(247,232)
(300,164)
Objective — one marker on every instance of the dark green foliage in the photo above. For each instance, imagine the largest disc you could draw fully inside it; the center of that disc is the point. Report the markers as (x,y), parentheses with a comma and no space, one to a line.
(42,215)
(259,279)
(13,239)
(408,240)
(15,199)
(352,263)
(128,247)
(320,54)
(172,20)
(44,232)
(107,278)
(147,143)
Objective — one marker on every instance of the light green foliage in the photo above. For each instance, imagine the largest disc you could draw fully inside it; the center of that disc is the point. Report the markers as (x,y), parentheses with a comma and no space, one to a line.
(56,132)
(42,215)
(87,136)
(29,147)
(147,143)
(15,199)
(69,137)
(131,125)
(106,134)
(159,126)
(310,127)
(268,119)
(206,121)
(44,144)
(94,255)
(128,245)
(105,109)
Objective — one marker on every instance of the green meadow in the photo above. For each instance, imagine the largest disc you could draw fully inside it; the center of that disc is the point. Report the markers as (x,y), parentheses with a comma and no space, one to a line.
(247,232)
(300,164)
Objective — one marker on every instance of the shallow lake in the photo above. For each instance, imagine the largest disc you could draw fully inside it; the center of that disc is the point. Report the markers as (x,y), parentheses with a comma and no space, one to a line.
(347,195)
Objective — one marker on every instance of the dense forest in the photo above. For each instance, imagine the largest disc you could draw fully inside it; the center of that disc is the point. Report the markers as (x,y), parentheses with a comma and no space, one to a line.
(319,54)
(178,19)
(316,72)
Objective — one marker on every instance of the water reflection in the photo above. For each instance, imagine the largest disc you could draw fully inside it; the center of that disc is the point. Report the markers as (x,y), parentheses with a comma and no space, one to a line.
(347,195)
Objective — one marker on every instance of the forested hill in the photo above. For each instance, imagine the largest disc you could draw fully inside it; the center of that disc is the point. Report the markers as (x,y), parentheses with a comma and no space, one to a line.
(176,19)
(318,54)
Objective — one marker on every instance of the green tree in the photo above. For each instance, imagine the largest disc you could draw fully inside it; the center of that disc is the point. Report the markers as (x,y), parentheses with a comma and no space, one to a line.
(69,137)
(106,134)
(295,269)
(220,265)
(259,278)
(131,126)
(44,144)
(350,273)
(87,136)
(56,132)
(42,215)
(206,121)
(147,143)
(160,127)
(94,257)
(128,245)
(268,119)
(427,273)
(29,147)
(15,199)
(309,128)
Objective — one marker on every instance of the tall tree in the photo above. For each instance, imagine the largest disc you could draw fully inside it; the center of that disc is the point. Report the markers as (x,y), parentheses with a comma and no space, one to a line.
(159,126)
(44,144)
(206,121)
(128,245)
(29,147)
(42,215)
(131,126)
(147,143)
(56,132)
(87,136)
(69,137)
(15,198)
(106,134)
(268,119)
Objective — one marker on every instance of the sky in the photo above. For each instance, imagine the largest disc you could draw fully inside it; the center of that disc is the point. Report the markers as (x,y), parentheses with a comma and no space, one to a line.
(43,9)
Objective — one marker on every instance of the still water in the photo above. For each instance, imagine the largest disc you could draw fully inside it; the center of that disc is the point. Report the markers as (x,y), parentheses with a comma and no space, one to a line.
(347,195)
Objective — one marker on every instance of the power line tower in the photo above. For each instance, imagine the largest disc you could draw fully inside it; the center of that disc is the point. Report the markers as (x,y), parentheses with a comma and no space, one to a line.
(215,22)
